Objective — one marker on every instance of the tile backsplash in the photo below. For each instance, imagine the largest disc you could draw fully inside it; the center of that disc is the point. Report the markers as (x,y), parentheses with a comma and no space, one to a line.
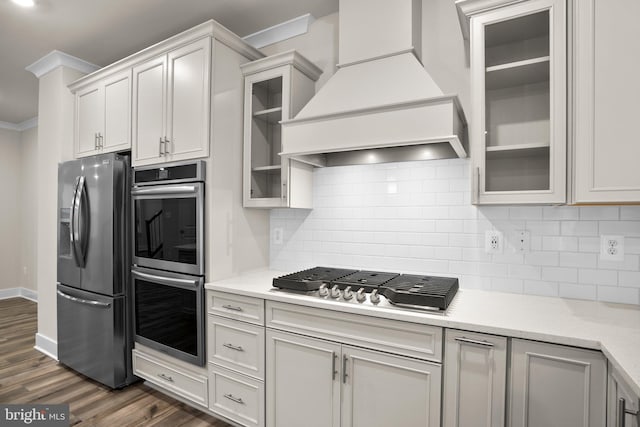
(416,217)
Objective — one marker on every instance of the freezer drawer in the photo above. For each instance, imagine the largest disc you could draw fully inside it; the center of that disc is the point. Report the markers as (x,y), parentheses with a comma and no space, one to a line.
(91,335)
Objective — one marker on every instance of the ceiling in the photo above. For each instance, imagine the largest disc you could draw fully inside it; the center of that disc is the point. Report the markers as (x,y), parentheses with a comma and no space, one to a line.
(103,31)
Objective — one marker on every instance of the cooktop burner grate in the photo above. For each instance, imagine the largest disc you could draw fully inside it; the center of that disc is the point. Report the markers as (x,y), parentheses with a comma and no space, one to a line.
(421,290)
(311,279)
(369,280)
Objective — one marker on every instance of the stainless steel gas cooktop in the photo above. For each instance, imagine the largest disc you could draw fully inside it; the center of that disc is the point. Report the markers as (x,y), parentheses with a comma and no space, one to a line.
(372,288)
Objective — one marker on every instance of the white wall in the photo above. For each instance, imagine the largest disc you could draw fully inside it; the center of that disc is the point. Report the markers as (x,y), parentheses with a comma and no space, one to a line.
(29,191)
(416,217)
(11,213)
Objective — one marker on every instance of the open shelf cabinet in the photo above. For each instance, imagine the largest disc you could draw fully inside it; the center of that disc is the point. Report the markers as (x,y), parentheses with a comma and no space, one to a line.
(518,129)
(276,88)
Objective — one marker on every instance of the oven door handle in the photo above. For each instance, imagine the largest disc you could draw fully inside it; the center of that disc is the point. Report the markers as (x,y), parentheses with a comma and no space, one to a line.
(164,190)
(169,281)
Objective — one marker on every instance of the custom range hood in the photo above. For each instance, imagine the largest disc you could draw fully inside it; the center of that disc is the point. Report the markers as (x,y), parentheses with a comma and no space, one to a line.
(381,105)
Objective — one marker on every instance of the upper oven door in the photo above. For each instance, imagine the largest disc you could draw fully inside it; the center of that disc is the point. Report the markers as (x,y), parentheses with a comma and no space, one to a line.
(169,227)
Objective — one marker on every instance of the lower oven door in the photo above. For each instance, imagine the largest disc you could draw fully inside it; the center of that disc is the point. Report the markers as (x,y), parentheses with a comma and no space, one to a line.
(169,313)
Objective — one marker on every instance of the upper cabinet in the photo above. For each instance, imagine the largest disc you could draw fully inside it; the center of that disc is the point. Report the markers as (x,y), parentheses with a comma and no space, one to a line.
(276,88)
(103,115)
(171,110)
(518,91)
(605,101)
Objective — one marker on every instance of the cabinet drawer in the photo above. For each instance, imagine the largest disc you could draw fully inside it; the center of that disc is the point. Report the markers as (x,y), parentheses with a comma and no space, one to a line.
(174,379)
(236,345)
(236,307)
(392,336)
(236,396)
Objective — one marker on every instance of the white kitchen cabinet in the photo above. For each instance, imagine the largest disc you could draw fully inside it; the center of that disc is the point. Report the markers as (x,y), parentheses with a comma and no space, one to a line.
(618,389)
(303,381)
(103,115)
(171,105)
(276,88)
(605,101)
(315,382)
(553,385)
(475,370)
(518,100)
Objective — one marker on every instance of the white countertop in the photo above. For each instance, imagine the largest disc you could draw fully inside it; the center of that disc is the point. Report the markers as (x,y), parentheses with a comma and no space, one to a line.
(612,328)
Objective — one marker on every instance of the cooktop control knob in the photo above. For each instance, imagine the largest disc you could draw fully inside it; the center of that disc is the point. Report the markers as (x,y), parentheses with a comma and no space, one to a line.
(360,295)
(374,297)
(348,293)
(335,292)
(323,291)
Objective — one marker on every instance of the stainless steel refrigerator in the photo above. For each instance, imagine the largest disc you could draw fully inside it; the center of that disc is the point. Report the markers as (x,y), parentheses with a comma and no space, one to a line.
(93,292)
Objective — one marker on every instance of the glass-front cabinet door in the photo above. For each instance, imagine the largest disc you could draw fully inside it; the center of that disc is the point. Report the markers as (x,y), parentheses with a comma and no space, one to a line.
(518,130)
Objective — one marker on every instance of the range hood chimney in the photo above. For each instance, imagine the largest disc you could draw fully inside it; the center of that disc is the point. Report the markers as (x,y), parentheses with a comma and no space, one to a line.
(381,105)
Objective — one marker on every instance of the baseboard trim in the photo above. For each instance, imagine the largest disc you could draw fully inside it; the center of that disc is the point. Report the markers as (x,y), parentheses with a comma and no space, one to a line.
(46,346)
(19,293)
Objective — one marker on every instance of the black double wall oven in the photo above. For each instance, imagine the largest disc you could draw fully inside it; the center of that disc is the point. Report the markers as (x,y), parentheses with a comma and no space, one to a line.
(168,259)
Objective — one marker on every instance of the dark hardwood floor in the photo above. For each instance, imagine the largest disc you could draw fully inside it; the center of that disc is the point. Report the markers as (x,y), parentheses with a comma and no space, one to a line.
(28,376)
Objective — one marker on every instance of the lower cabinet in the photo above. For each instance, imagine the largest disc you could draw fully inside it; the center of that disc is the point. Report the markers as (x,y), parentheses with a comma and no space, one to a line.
(623,405)
(475,379)
(235,396)
(174,377)
(314,382)
(554,385)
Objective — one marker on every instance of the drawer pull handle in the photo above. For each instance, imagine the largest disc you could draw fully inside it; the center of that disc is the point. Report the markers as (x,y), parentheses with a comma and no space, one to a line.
(166,377)
(233,347)
(474,342)
(234,399)
(232,307)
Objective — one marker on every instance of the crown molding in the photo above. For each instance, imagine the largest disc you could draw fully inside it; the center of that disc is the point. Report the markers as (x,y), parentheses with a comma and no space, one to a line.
(277,33)
(19,127)
(55,59)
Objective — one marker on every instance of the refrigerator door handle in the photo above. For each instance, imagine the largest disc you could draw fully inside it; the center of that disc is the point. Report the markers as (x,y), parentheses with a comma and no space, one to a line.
(74,220)
(80,223)
(84,301)
(169,281)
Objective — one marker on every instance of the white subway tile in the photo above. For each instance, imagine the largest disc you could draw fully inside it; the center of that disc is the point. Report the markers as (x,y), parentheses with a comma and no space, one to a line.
(475,254)
(450,199)
(450,171)
(475,282)
(624,228)
(619,295)
(572,290)
(560,274)
(493,212)
(538,287)
(477,226)
(632,245)
(589,244)
(508,257)
(435,186)
(435,239)
(553,243)
(542,258)
(459,185)
(465,240)
(598,277)
(630,263)
(577,259)
(493,270)
(513,286)
(560,212)
(449,226)
(397,251)
(525,212)
(579,228)
(599,212)
(629,279)
(543,228)
(447,253)
(424,252)
(463,212)
(463,267)
(630,213)
(405,238)
(536,243)
(525,272)
(435,212)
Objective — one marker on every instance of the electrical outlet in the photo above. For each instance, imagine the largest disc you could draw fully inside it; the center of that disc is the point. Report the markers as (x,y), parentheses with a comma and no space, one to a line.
(523,241)
(277,235)
(493,242)
(612,248)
